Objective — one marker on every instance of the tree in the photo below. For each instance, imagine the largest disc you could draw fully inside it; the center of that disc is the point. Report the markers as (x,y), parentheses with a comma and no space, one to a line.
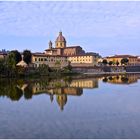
(104,62)
(110,63)
(105,79)
(17,56)
(68,68)
(117,63)
(2,66)
(124,61)
(58,64)
(11,64)
(27,56)
(43,69)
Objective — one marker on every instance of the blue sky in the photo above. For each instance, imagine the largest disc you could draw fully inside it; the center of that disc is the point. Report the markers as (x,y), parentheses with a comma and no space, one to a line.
(107,28)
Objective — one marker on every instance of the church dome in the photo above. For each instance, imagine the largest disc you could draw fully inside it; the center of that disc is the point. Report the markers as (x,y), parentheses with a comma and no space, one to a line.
(60,38)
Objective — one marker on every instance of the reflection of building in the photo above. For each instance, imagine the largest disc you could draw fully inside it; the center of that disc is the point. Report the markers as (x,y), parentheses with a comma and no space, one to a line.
(121,79)
(63,54)
(61,100)
(60,91)
(133,60)
(85,83)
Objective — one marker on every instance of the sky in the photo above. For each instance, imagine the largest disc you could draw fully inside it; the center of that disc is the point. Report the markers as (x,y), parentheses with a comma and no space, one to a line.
(107,28)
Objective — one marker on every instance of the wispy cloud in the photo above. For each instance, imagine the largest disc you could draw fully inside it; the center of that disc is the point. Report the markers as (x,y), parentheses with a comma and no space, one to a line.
(105,25)
(75,18)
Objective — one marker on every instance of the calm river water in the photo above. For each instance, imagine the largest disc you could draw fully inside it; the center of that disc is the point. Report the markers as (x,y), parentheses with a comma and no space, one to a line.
(71,107)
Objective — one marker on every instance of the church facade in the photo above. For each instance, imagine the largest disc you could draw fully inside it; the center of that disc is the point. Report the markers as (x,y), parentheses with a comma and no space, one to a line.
(73,54)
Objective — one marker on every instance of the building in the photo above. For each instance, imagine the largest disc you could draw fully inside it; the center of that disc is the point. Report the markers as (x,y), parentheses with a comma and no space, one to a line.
(64,54)
(62,49)
(88,58)
(39,59)
(22,63)
(74,54)
(84,83)
(133,60)
(3,55)
(122,79)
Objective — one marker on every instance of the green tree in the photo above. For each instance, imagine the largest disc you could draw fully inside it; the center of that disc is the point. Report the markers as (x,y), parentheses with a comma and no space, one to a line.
(117,63)
(2,67)
(105,79)
(104,62)
(11,64)
(124,61)
(58,65)
(17,56)
(110,63)
(68,68)
(27,55)
(43,69)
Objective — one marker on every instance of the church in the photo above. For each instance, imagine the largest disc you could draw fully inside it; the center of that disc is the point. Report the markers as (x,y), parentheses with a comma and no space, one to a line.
(62,49)
(65,54)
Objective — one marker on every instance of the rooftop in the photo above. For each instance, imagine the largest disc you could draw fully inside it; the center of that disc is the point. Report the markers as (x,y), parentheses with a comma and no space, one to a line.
(46,55)
(122,56)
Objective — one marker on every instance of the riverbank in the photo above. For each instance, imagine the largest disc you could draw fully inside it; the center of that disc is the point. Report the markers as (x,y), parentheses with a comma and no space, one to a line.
(111,73)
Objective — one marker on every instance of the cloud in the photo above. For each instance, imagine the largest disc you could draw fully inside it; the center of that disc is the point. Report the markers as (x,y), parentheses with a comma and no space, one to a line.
(101,19)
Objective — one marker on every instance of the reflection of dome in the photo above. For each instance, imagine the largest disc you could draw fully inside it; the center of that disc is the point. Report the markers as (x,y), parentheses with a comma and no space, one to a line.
(60,38)
(61,100)
(22,87)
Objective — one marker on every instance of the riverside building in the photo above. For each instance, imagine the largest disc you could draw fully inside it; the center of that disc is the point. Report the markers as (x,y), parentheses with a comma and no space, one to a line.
(64,54)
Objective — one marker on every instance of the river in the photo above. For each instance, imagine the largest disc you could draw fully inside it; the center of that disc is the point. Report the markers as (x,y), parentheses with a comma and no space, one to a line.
(71,107)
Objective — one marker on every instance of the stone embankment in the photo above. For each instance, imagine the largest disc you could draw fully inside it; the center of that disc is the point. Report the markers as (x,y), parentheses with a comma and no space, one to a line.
(107,70)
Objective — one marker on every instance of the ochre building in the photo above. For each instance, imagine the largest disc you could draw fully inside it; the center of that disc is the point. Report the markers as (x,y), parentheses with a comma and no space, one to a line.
(133,60)
(64,54)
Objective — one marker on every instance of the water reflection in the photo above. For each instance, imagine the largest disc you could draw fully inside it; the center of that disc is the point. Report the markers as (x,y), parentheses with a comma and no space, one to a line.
(121,79)
(58,89)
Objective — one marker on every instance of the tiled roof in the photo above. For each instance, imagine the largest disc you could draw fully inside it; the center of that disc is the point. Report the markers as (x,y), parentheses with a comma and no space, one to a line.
(46,55)
(2,53)
(72,47)
(122,56)
(63,48)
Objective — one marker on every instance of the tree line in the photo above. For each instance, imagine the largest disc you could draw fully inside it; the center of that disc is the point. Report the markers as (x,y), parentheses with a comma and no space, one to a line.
(124,61)
(9,68)
(8,65)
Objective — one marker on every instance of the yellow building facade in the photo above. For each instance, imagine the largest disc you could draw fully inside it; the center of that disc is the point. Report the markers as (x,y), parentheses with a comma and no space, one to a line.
(133,60)
(84,83)
(39,59)
(83,59)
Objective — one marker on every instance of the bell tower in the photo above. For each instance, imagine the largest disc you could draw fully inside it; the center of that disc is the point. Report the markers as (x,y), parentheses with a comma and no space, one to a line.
(50,45)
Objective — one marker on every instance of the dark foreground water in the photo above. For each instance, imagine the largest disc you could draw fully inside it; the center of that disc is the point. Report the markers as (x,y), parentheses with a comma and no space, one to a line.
(105,107)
